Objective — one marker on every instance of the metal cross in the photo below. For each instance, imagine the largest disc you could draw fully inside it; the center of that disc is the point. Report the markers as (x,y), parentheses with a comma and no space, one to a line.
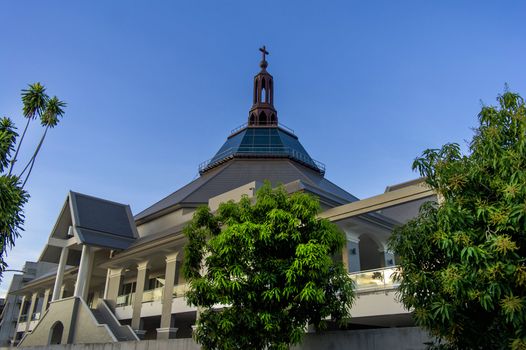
(263,52)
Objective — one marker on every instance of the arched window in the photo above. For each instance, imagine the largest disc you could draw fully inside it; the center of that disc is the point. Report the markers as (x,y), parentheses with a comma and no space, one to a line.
(252,119)
(370,255)
(263,95)
(262,119)
(55,334)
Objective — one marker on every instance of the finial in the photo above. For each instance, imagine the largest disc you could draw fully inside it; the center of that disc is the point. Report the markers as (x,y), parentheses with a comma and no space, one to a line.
(263,64)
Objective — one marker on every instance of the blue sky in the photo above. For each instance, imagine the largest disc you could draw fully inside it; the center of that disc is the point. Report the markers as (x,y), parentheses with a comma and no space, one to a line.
(154,87)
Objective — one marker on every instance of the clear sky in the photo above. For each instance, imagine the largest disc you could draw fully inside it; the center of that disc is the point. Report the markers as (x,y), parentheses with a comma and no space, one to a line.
(154,87)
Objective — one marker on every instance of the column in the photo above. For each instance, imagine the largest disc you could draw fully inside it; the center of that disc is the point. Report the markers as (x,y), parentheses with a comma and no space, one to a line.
(60,274)
(31,309)
(387,257)
(47,294)
(353,252)
(85,291)
(142,271)
(166,331)
(113,285)
(83,273)
(20,312)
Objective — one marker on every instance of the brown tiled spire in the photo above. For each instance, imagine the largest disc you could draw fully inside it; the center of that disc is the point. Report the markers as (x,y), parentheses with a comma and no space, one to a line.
(262,111)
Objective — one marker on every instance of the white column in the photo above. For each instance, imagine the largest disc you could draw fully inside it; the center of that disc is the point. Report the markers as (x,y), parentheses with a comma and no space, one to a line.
(88,276)
(47,293)
(142,271)
(167,331)
(31,309)
(60,274)
(83,272)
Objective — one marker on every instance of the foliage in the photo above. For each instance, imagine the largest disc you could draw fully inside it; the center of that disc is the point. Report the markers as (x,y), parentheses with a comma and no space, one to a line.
(36,104)
(463,261)
(261,271)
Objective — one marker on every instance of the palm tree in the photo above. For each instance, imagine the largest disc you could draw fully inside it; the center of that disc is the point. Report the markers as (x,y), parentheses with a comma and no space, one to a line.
(35,100)
(53,111)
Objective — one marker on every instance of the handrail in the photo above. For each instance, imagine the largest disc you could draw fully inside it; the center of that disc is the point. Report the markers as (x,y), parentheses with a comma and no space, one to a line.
(375,279)
(245,125)
(261,150)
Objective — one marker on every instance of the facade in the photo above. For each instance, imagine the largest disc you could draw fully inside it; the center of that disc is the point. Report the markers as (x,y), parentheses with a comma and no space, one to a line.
(10,315)
(118,277)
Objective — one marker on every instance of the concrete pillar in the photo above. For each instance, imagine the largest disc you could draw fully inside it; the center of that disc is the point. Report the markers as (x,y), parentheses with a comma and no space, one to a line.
(85,291)
(352,251)
(60,274)
(47,295)
(31,309)
(166,331)
(142,271)
(20,312)
(114,278)
(83,273)
(388,258)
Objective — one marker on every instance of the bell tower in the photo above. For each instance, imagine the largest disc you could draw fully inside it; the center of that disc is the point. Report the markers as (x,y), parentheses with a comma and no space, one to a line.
(262,111)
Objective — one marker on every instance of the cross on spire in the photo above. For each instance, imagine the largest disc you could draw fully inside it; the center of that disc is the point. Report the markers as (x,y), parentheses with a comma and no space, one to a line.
(263,52)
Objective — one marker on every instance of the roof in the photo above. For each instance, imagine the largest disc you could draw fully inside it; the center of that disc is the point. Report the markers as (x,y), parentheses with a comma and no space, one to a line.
(102,223)
(238,172)
(262,142)
(92,221)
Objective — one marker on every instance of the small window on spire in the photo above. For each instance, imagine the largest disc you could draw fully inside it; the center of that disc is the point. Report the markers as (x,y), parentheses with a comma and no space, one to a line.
(263,97)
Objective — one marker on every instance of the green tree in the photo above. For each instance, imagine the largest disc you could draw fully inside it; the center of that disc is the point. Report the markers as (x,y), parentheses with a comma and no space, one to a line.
(261,270)
(13,197)
(463,268)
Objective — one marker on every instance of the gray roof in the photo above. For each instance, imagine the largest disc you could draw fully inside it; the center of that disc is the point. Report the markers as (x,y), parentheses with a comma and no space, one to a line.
(95,222)
(102,223)
(238,172)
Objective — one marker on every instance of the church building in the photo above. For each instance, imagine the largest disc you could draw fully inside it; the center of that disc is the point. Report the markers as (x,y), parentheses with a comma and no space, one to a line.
(119,277)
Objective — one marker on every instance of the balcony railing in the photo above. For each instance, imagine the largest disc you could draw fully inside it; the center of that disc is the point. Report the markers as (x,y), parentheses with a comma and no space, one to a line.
(125,299)
(152,295)
(374,280)
(262,151)
(179,290)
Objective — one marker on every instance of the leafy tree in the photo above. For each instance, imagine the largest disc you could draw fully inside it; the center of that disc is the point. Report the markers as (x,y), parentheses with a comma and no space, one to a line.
(463,260)
(36,104)
(261,271)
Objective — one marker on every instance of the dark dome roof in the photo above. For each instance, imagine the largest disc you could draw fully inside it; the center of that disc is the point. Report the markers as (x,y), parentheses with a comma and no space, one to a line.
(262,142)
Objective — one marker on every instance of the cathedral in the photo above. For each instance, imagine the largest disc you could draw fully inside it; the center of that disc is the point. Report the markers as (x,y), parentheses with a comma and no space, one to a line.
(118,276)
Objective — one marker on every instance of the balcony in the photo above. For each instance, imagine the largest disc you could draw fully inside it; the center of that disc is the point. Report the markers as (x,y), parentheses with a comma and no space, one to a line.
(125,299)
(374,280)
(150,296)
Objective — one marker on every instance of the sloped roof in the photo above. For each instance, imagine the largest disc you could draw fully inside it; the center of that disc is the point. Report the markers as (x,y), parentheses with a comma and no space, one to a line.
(93,221)
(238,172)
(103,223)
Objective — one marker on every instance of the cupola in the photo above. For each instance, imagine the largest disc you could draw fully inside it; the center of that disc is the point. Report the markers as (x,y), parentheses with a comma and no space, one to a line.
(263,111)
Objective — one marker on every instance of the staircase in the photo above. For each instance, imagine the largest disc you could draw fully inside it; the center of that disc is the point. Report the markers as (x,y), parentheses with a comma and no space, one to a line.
(104,315)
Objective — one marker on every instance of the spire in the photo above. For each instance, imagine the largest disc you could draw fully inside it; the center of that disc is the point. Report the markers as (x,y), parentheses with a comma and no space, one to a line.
(262,111)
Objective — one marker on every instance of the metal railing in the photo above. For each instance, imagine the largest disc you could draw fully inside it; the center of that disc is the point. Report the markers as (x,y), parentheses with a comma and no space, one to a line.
(279,125)
(376,279)
(262,151)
